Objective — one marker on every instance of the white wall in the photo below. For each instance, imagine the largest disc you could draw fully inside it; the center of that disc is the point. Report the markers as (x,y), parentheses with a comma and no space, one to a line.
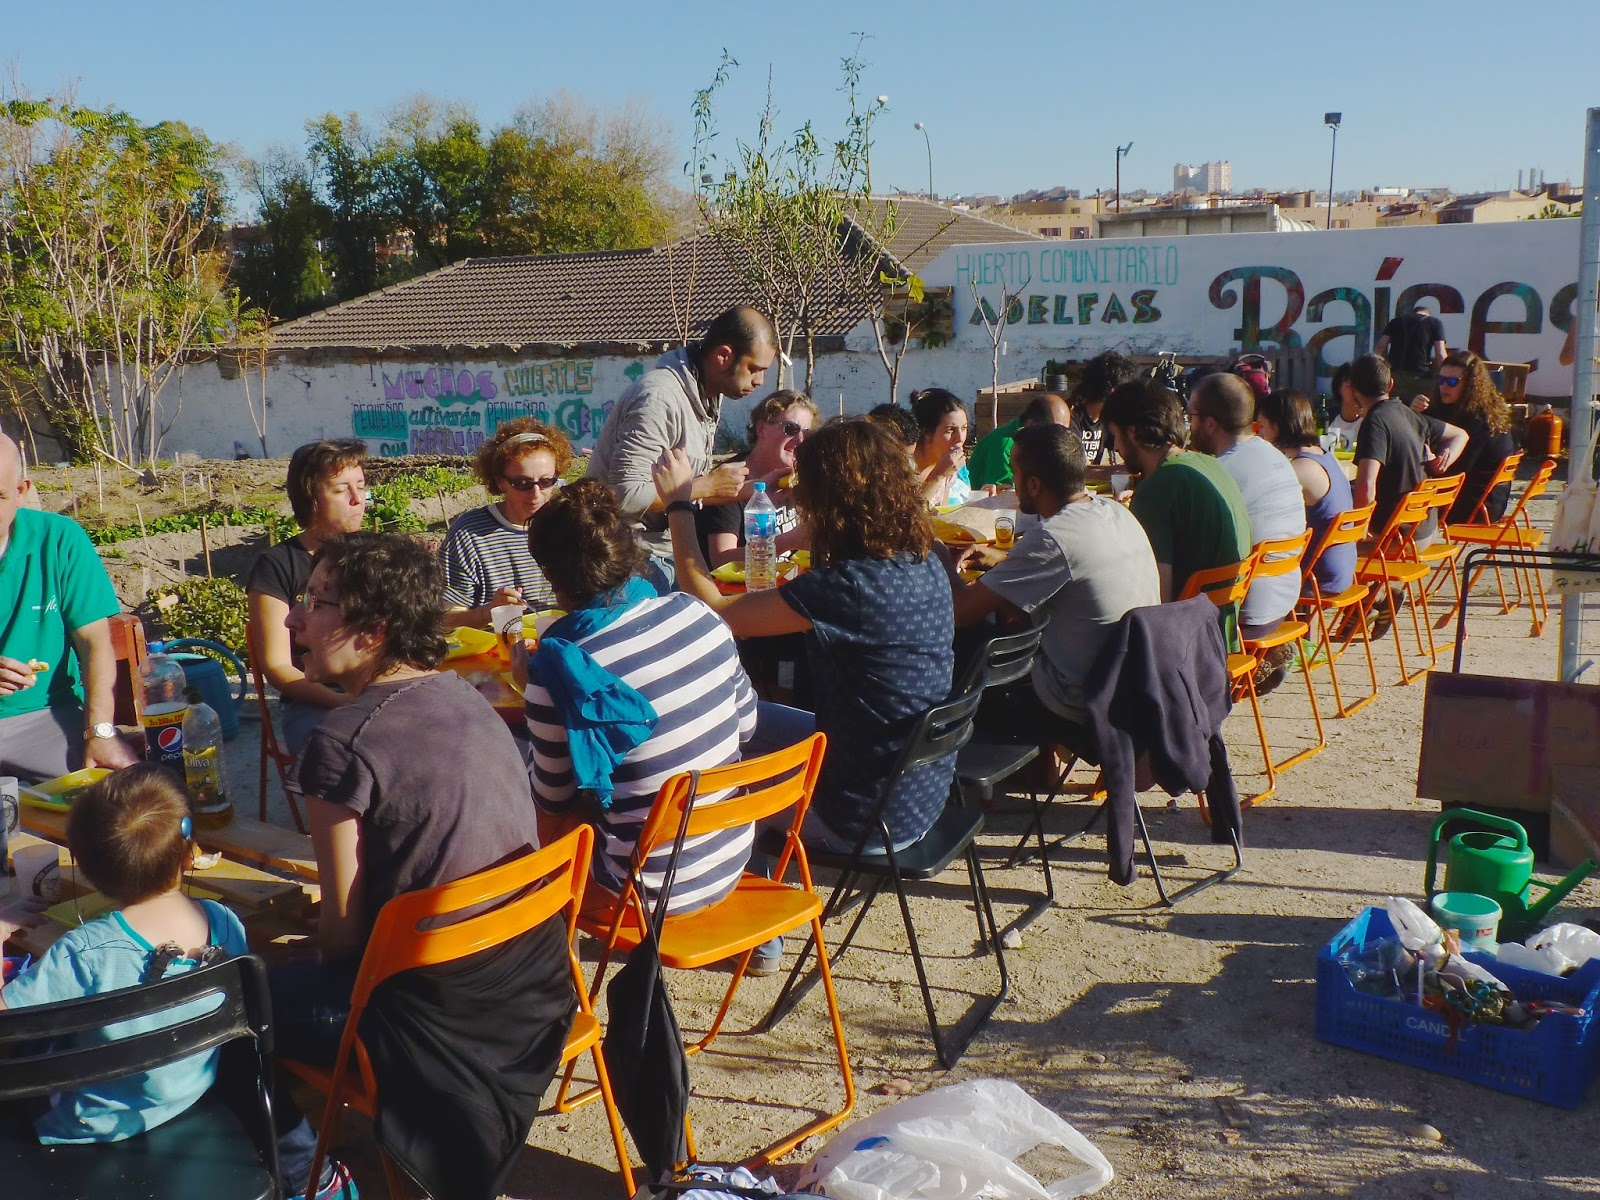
(1506,290)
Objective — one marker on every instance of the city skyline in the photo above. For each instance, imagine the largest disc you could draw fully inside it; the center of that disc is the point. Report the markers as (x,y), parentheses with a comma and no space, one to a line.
(1005,109)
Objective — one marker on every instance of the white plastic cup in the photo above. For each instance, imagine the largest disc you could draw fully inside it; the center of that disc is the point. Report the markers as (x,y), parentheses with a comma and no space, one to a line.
(10,797)
(38,871)
(506,622)
(1120,482)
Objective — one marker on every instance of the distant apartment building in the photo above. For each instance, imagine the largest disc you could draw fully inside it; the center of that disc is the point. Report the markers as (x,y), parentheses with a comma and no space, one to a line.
(1179,222)
(1072,218)
(1207,177)
(1495,206)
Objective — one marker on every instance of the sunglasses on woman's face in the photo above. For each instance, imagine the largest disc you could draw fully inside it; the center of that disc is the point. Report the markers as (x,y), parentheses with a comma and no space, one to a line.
(523,483)
(1450,380)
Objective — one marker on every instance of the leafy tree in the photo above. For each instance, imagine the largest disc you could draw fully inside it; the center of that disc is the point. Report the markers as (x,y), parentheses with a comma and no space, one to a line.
(347,170)
(109,268)
(282,268)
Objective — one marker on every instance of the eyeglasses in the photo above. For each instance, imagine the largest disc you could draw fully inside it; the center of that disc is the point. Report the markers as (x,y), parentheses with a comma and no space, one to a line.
(523,483)
(792,429)
(311,603)
(1450,380)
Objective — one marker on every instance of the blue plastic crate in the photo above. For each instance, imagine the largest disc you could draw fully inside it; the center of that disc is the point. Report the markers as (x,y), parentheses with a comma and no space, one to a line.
(1555,1062)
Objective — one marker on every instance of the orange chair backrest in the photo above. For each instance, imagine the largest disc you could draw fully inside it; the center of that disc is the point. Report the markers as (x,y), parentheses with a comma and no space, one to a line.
(765,785)
(1349,526)
(1223,585)
(534,887)
(1505,475)
(1280,556)
(1413,508)
(1536,486)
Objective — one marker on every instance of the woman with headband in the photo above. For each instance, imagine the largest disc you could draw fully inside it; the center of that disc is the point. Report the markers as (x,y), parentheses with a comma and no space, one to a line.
(486,559)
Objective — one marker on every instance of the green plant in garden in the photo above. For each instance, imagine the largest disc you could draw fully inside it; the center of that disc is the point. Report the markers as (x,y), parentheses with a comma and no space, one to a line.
(213,609)
(390,510)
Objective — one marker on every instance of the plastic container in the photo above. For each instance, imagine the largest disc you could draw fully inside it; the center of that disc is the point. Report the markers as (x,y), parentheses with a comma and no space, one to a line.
(1555,1062)
(162,689)
(760,542)
(204,770)
(1476,918)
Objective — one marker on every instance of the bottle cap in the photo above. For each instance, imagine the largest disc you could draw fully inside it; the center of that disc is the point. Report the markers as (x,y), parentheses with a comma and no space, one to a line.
(761,486)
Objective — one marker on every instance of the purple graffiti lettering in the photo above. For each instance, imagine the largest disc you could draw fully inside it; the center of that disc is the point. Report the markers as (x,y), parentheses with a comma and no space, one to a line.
(414,384)
(486,387)
(430,383)
(394,389)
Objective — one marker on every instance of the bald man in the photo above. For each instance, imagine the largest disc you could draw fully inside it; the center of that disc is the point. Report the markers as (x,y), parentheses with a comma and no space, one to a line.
(57,670)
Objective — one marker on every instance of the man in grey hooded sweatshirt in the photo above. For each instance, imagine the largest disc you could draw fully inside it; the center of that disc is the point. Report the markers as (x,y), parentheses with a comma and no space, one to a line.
(676,406)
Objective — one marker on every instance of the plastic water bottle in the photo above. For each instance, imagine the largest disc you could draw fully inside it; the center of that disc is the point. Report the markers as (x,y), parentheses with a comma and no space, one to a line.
(161,690)
(760,542)
(203,768)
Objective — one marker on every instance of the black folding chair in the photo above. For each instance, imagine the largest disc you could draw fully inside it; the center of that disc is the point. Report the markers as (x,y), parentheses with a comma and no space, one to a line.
(938,733)
(210,1150)
(984,763)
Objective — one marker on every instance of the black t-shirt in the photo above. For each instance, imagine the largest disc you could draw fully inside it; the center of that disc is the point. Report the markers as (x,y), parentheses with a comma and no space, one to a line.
(1479,462)
(729,518)
(1096,438)
(1411,341)
(1395,435)
(434,776)
(282,573)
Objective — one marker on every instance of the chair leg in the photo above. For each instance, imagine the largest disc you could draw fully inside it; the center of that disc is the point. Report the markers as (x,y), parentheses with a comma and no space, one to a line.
(1266,750)
(613,1118)
(796,989)
(1322,737)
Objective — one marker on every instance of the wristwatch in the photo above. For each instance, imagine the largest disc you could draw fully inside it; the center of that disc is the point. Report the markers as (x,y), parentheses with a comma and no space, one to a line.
(103,730)
(687,506)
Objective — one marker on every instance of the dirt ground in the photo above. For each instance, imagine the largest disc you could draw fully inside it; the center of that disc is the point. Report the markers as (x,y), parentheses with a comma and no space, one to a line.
(1180,1041)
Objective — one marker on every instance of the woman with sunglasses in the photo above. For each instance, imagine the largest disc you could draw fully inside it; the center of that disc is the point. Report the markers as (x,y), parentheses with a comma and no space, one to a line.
(778,424)
(485,554)
(1469,400)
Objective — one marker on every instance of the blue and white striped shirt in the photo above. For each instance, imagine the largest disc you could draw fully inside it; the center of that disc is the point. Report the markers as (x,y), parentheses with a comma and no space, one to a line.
(680,655)
(482,553)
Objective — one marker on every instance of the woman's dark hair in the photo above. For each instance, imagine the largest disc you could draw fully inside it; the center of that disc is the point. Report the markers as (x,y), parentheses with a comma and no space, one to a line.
(860,496)
(126,832)
(1150,414)
(1478,395)
(771,408)
(897,421)
(1101,375)
(1293,415)
(1052,454)
(500,451)
(390,584)
(583,543)
(314,463)
(930,405)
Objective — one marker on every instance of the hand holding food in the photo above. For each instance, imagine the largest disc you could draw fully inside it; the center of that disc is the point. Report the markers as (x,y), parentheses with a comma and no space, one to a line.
(15,675)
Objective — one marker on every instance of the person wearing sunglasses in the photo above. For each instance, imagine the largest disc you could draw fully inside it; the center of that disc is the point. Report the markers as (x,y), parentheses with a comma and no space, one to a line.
(485,554)
(778,424)
(1469,400)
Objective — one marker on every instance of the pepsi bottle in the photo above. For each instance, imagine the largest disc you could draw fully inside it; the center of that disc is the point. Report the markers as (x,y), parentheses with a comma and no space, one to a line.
(163,708)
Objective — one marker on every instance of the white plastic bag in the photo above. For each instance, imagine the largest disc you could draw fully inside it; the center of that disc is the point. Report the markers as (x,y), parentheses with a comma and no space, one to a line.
(1555,951)
(1577,522)
(1417,931)
(954,1143)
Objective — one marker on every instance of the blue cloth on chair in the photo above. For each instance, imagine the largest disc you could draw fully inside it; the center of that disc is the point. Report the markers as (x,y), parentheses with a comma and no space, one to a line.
(605,718)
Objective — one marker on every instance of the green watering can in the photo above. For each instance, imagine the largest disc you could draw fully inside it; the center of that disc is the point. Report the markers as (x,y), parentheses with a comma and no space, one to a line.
(1501,868)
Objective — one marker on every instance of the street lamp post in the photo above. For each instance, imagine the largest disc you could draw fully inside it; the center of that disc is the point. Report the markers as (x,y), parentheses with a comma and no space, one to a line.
(923,129)
(1121,150)
(1331,120)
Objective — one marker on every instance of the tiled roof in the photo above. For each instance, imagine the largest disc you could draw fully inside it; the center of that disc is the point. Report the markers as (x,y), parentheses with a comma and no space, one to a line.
(606,297)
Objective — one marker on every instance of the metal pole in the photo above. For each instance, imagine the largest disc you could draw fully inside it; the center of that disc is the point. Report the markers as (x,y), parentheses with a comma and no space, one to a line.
(1586,353)
(924,129)
(1332,154)
(1119,178)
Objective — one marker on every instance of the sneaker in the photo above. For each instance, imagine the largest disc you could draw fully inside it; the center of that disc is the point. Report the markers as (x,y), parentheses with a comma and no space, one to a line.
(767,960)
(338,1186)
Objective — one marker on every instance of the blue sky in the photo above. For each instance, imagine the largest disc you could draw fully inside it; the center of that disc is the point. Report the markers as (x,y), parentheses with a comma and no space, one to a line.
(1015,95)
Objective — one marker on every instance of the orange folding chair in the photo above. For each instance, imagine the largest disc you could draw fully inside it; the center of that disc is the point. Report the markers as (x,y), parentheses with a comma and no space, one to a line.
(756,911)
(271,749)
(1443,554)
(1515,534)
(1226,586)
(1281,556)
(1347,529)
(407,934)
(1393,562)
(1506,475)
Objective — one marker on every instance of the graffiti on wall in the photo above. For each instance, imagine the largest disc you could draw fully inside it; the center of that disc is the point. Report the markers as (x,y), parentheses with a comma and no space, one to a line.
(452,409)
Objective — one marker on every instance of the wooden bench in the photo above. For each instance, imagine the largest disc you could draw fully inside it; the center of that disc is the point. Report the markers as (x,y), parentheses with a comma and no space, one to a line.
(244,841)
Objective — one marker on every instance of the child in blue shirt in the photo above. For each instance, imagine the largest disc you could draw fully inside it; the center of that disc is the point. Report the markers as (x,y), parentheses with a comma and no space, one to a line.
(130,835)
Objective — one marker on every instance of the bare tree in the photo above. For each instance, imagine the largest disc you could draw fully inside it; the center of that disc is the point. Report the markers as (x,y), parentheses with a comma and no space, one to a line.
(994,324)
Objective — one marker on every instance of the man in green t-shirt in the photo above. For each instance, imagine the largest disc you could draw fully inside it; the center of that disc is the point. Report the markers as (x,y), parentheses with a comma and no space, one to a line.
(1190,507)
(57,669)
(991,457)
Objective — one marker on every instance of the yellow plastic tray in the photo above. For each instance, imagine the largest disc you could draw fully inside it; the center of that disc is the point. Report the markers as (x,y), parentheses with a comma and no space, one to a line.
(468,642)
(51,793)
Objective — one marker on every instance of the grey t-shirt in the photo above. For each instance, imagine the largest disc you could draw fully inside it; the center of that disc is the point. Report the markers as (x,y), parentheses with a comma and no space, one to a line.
(435,777)
(1083,569)
(1277,508)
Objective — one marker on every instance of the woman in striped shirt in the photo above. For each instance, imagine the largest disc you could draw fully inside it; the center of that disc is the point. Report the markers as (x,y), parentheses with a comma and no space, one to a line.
(666,678)
(485,554)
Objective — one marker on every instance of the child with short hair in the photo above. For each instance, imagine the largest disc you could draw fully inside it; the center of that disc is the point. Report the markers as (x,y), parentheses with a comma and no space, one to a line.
(130,834)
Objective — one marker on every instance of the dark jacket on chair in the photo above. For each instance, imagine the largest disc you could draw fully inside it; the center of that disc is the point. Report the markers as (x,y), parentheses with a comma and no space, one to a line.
(1160,687)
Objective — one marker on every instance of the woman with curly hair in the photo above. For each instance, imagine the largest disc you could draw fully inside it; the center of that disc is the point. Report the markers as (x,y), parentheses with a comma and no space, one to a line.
(876,612)
(485,554)
(1468,399)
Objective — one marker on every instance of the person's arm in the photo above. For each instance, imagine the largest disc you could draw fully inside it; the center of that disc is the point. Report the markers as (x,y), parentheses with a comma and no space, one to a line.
(269,635)
(1313,477)
(464,582)
(1365,488)
(1164,575)
(1452,442)
(92,642)
(724,548)
(1382,348)
(15,676)
(336,839)
(753,614)
(648,434)
(550,767)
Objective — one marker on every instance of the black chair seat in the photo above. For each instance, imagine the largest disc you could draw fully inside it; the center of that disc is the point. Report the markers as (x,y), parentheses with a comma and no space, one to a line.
(946,840)
(981,765)
(207,1151)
